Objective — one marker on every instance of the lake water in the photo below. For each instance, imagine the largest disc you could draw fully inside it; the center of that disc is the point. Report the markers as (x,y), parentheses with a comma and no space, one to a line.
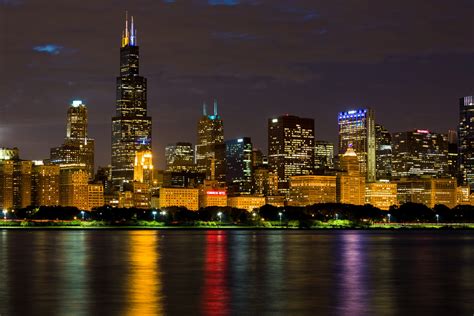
(146,272)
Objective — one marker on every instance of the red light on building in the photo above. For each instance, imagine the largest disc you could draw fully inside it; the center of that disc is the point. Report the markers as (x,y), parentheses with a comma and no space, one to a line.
(423,131)
(216,193)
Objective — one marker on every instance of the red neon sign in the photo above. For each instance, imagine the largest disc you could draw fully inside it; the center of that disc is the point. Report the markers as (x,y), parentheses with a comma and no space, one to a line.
(216,193)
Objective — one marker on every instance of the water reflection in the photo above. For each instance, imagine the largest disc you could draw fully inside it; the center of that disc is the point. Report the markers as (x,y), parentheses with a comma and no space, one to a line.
(216,292)
(144,279)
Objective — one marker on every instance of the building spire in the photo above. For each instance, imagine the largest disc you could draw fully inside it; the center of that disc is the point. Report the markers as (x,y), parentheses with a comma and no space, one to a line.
(132,33)
(125,35)
(215,107)
(204,110)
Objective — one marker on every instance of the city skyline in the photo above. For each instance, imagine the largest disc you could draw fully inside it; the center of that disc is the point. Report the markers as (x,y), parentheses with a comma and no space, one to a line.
(318,87)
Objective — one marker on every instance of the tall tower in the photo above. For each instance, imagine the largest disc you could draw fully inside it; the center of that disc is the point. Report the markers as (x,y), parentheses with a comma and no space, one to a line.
(210,148)
(131,126)
(357,130)
(77,151)
(466,141)
(290,148)
(239,173)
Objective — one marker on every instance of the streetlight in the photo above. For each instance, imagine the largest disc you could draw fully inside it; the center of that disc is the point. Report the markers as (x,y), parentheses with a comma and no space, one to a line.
(220,217)
(154,215)
(337,216)
(389,216)
(437,218)
(5,214)
(280,214)
(82,213)
(163,213)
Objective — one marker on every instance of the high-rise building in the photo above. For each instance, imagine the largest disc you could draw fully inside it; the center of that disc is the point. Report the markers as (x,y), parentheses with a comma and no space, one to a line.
(351,183)
(22,170)
(180,157)
(78,148)
(419,152)
(143,167)
(45,185)
(210,148)
(6,184)
(73,188)
(453,153)
(131,125)
(383,153)
(265,182)
(466,141)
(95,196)
(239,172)
(290,148)
(357,129)
(323,155)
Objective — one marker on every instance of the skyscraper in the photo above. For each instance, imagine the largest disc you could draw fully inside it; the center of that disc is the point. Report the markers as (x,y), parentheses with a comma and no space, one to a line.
(180,157)
(357,129)
(323,155)
(383,153)
(239,173)
(419,152)
(350,183)
(77,149)
(290,148)
(466,141)
(131,126)
(210,148)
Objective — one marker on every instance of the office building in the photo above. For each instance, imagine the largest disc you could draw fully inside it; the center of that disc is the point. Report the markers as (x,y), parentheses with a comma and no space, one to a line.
(312,189)
(323,155)
(357,129)
(73,188)
(212,194)
(466,141)
(382,194)
(6,184)
(179,197)
(419,152)
(95,196)
(350,182)
(45,185)
(131,125)
(290,148)
(246,202)
(78,148)
(265,182)
(427,191)
(22,178)
(239,172)
(180,157)
(383,153)
(143,167)
(210,148)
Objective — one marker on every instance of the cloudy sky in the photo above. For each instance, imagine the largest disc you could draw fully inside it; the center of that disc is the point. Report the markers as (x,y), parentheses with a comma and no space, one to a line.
(408,60)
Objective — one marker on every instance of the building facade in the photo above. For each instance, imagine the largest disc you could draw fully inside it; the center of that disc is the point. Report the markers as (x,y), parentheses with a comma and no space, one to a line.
(350,182)
(180,157)
(239,172)
(419,153)
(290,148)
(131,125)
(210,148)
(323,155)
(312,189)
(383,153)
(466,141)
(381,194)
(357,129)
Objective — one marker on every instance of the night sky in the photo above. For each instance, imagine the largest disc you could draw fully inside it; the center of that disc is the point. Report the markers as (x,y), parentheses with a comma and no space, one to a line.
(408,60)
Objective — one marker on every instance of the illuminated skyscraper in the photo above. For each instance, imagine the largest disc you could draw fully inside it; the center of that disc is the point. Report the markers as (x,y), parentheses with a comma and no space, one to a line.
(290,148)
(239,173)
(466,141)
(78,148)
(419,152)
(383,153)
(143,167)
(131,126)
(210,148)
(357,129)
(180,157)
(350,183)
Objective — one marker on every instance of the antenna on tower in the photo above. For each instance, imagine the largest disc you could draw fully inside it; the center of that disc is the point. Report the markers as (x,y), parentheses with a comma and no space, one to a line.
(215,107)
(204,110)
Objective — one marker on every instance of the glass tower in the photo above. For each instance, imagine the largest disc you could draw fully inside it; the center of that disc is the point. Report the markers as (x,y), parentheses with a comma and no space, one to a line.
(131,126)
(466,141)
(239,173)
(357,130)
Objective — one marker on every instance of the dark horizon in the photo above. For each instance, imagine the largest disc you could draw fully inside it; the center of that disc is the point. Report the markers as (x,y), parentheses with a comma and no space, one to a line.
(259,59)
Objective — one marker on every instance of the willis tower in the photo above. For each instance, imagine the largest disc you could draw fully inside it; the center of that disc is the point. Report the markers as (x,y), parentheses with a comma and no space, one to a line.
(131,126)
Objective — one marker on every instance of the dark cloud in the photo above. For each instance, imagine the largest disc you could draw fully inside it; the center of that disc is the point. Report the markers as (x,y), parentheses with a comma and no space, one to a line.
(409,60)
